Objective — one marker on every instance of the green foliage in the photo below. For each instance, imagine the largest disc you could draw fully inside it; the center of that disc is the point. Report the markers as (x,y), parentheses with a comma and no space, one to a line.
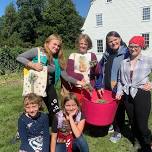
(34,20)
(8,63)
(8,25)
(11,106)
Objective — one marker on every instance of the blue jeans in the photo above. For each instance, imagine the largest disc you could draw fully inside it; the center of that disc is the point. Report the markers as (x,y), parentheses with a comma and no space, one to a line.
(79,145)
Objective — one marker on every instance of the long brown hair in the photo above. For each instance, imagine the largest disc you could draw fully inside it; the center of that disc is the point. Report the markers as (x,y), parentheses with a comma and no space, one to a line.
(59,54)
(70,96)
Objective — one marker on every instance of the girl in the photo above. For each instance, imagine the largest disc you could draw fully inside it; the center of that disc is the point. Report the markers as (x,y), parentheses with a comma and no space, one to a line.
(67,128)
(83,64)
(134,84)
(33,126)
(116,51)
(52,56)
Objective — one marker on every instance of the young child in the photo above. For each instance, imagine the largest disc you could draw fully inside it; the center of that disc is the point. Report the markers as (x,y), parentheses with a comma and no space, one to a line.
(67,128)
(33,126)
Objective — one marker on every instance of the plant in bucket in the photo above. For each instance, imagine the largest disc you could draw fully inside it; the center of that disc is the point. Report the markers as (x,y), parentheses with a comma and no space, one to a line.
(97,111)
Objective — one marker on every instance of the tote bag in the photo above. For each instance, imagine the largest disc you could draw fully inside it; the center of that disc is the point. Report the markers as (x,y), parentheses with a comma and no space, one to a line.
(34,81)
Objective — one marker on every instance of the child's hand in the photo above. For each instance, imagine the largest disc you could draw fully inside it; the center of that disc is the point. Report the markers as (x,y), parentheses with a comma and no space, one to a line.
(36,66)
(73,113)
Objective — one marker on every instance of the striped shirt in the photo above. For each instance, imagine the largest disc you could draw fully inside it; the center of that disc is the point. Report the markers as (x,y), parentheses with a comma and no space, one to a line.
(140,76)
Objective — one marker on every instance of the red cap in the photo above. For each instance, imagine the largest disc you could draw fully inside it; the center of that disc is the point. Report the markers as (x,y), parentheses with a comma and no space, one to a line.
(139,40)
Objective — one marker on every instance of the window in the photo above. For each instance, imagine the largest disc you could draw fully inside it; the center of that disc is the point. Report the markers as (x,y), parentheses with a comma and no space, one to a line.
(109,1)
(99,19)
(146,14)
(99,45)
(146,36)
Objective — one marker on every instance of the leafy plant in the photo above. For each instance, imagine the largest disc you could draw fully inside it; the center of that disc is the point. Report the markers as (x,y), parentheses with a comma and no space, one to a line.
(8,63)
(32,78)
(101,101)
(88,87)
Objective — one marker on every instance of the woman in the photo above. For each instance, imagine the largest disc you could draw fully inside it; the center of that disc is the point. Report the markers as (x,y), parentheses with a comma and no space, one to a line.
(67,128)
(116,51)
(83,64)
(135,85)
(52,57)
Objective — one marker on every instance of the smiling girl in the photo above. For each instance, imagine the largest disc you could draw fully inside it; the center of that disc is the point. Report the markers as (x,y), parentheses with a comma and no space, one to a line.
(51,55)
(134,83)
(67,128)
(116,51)
(33,126)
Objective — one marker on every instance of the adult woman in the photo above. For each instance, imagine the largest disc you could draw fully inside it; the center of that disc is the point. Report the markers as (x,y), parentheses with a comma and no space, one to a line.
(67,128)
(52,56)
(83,64)
(135,85)
(116,51)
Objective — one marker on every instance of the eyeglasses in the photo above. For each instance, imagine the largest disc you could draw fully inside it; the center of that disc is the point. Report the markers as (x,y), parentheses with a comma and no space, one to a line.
(133,47)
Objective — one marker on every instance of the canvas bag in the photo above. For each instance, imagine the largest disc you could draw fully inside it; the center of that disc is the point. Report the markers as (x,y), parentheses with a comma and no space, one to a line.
(34,81)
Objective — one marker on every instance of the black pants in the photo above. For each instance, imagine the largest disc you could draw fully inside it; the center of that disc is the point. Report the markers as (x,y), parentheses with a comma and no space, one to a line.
(138,110)
(119,120)
(51,102)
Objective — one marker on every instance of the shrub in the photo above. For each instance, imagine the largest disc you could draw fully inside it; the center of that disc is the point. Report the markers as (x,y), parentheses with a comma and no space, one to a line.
(8,63)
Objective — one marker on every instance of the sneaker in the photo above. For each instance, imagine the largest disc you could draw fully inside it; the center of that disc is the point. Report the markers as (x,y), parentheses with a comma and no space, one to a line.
(115,137)
(111,130)
(137,145)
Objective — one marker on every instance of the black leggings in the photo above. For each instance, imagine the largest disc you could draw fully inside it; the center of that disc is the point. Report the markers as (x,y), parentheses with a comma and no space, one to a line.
(51,102)
(138,110)
(119,120)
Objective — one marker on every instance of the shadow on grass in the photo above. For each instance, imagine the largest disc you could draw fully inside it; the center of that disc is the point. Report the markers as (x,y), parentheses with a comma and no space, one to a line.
(96,131)
(101,131)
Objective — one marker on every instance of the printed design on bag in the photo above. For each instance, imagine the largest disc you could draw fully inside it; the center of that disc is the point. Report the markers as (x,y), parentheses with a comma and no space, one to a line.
(34,81)
(36,143)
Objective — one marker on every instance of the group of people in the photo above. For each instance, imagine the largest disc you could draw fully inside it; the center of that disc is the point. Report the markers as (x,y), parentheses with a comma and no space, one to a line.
(118,71)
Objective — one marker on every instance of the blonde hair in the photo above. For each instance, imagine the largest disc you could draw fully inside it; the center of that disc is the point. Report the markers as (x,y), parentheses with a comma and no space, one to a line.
(32,98)
(59,54)
(86,38)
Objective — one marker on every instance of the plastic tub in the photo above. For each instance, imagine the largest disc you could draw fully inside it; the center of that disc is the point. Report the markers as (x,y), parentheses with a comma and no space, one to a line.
(99,114)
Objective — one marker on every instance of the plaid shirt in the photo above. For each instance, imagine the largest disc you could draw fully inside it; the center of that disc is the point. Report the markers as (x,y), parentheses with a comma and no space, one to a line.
(140,76)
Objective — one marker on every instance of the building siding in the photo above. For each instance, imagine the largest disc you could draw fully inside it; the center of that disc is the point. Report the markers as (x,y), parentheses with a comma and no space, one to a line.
(123,16)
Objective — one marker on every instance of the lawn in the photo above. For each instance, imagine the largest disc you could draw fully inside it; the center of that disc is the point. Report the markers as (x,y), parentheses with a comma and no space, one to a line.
(11,107)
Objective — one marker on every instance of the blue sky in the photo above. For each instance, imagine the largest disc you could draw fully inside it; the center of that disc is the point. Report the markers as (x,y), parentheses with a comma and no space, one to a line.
(82,6)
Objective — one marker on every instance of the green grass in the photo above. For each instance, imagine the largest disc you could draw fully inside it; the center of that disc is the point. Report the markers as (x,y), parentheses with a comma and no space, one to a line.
(11,107)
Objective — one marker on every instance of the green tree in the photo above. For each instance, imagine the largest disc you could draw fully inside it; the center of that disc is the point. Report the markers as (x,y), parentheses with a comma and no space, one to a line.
(34,20)
(8,24)
(60,17)
(30,14)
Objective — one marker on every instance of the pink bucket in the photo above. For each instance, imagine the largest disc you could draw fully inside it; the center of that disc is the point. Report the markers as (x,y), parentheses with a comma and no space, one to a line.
(99,114)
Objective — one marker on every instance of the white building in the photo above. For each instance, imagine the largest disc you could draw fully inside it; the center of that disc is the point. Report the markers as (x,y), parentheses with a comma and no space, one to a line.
(127,17)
